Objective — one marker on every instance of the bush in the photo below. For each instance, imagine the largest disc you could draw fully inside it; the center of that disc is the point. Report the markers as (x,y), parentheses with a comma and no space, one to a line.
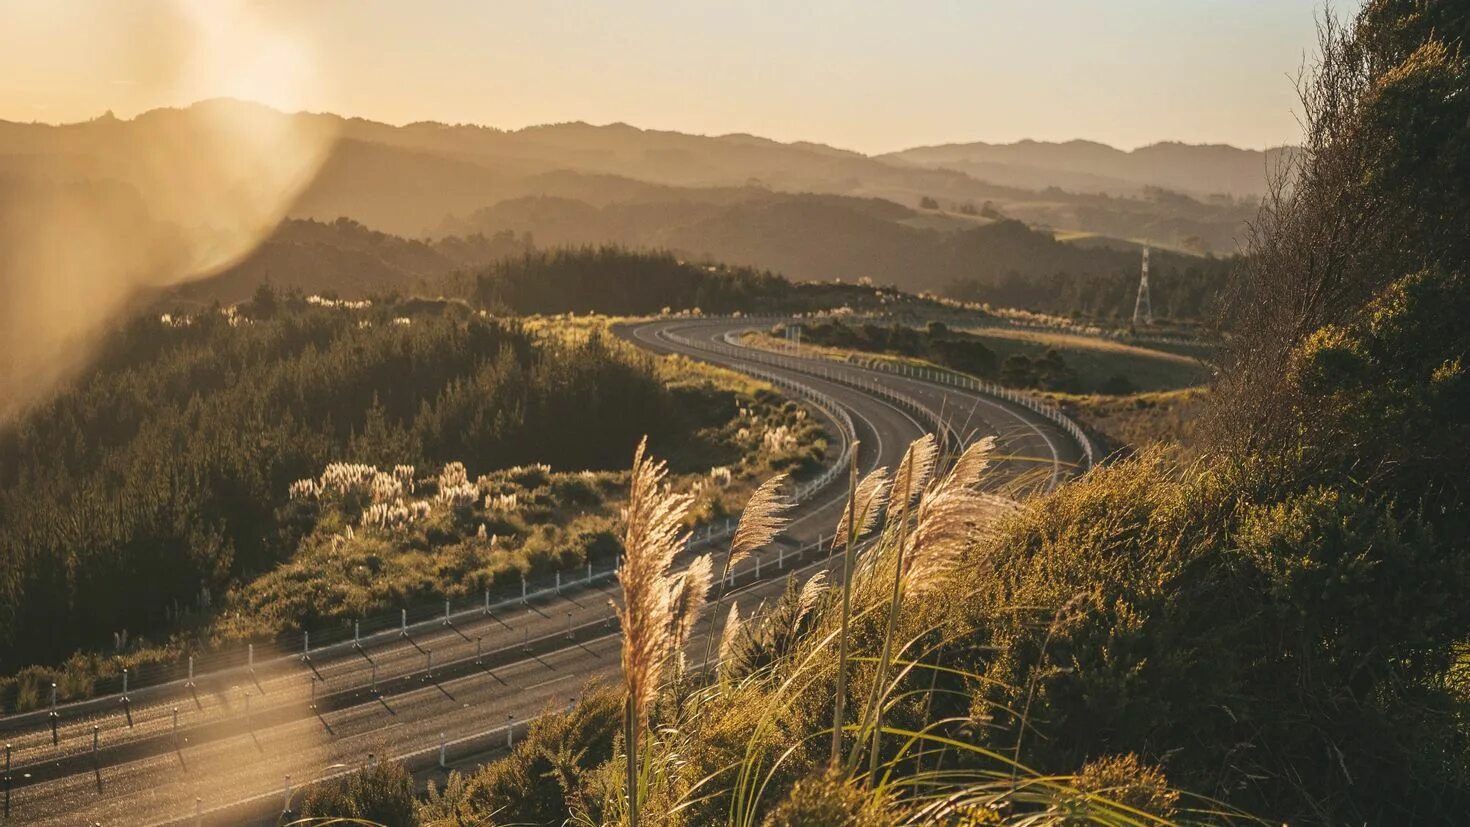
(380,794)
(544,779)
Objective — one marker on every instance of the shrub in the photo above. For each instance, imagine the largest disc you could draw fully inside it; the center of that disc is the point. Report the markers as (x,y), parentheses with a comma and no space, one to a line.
(380,794)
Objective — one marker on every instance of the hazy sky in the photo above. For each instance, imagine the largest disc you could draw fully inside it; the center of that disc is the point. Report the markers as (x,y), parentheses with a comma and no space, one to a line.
(864,75)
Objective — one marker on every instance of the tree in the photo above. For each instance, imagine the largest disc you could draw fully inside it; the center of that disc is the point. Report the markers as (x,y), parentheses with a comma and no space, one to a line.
(1017,371)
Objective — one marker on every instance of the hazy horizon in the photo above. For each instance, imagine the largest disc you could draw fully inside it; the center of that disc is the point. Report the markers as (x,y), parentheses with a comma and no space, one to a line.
(1082,139)
(1135,74)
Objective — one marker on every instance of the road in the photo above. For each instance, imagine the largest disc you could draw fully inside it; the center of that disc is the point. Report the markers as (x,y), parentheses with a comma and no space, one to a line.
(237,736)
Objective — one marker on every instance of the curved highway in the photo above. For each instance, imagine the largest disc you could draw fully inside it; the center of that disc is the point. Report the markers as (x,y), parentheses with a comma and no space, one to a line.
(238,745)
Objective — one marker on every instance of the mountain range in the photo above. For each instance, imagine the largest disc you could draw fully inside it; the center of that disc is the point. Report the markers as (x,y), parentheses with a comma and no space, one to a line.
(809,210)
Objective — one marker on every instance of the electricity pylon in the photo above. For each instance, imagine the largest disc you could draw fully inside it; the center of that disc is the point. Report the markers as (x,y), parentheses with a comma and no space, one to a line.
(1143,308)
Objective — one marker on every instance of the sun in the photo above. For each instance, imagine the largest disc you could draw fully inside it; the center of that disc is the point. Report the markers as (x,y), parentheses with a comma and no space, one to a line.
(241,51)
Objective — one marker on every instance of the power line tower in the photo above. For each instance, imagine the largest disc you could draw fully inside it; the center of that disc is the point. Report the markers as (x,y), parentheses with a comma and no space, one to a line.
(1143,308)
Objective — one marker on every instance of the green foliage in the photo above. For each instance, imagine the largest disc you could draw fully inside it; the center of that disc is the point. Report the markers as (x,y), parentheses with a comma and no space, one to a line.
(137,498)
(382,794)
(614,281)
(547,778)
(827,799)
(1270,650)
(954,350)
(1131,783)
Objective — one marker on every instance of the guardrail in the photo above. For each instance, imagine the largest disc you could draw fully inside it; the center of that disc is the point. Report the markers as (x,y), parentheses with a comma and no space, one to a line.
(945,376)
(940,426)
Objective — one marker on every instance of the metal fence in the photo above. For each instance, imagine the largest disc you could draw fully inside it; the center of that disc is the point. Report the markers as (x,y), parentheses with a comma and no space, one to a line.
(477,745)
(945,376)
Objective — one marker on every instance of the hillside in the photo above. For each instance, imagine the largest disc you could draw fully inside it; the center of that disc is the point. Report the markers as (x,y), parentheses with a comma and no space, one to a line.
(1000,262)
(409,179)
(1088,166)
(345,259)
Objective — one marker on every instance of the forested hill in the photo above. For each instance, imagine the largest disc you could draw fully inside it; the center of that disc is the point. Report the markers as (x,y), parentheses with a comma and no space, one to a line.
(162,469)
(531,249)
(343,258)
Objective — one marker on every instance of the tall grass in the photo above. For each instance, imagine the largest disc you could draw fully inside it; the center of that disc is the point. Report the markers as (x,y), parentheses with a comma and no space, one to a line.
(654,533)
(864,502)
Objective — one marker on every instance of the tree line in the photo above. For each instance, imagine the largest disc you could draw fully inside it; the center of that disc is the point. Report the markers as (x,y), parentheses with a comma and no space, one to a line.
(155,479)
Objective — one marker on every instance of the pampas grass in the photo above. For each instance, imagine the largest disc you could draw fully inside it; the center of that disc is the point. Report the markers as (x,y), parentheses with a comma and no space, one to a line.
(864,501)
(686,596)
(913,474)
(949,517)
(654,533)
(864,505)
(949,520)
(760,522)
(730,633)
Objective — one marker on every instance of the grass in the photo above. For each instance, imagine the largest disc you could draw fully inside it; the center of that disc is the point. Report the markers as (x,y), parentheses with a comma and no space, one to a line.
(1135,421)
(1096,359)
(750,746)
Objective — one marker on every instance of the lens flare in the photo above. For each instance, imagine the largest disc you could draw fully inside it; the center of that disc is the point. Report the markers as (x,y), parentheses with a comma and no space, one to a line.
(95,215)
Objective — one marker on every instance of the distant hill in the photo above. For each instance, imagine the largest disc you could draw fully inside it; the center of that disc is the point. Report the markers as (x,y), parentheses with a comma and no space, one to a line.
(345,259)
(1086,166)
(417,180)
(1001,261)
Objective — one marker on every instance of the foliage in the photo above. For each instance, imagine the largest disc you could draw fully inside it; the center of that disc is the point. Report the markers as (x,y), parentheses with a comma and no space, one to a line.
(614,281)
(134,502)
(548,775)
(380,794)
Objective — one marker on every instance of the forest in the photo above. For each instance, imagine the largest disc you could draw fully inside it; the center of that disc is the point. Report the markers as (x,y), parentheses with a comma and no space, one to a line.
(160,479)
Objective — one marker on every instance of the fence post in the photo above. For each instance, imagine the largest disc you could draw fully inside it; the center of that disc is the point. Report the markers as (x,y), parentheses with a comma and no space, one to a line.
(403,622)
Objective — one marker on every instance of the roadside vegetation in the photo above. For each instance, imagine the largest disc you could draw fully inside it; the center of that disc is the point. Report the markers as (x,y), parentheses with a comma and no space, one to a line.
(1275,625)
(247,472)
(1017,358)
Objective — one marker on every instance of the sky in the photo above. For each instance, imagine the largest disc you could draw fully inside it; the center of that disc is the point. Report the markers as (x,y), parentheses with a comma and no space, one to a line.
(862,75)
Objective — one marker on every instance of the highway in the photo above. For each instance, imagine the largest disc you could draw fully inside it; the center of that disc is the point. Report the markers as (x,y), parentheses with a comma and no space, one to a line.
(227,745)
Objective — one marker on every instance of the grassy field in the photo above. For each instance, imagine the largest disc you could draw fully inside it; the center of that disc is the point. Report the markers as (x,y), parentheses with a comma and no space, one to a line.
(1098,359)
(1136,421)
